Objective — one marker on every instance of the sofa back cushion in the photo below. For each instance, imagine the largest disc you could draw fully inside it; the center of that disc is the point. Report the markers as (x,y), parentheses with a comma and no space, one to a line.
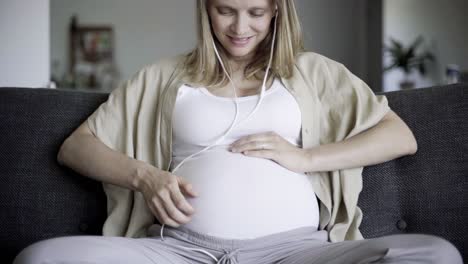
(426,192)
(39,198)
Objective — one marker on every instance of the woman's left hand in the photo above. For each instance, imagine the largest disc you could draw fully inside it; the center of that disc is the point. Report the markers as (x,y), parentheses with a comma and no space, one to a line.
(271,146)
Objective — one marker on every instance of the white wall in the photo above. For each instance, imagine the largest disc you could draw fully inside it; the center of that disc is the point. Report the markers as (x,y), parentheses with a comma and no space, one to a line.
(443,26)
(24,45)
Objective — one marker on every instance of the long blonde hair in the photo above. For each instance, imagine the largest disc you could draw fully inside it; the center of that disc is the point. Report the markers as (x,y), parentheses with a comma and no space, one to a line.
(204,69)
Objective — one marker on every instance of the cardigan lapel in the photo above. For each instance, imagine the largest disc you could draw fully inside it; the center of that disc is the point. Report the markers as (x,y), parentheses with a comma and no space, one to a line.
(306,96)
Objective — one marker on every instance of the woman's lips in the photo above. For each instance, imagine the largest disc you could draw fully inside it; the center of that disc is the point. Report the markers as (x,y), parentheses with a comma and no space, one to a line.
(239,41)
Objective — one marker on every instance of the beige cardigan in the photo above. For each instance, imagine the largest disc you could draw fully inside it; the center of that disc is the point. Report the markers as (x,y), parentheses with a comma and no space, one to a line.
(335,105)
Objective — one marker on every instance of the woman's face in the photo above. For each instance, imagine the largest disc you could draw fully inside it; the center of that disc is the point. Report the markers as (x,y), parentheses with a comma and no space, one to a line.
(240,25)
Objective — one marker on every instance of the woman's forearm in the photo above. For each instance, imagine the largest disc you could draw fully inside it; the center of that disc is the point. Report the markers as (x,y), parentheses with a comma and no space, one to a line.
(87,155)
(389,139)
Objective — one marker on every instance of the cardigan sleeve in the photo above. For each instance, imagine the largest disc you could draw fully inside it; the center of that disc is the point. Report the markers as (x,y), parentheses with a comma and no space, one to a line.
(350,106)
(113,122)
(130,122)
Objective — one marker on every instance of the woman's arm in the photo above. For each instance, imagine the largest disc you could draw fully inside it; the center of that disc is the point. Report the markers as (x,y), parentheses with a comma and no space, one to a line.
(389,139)
(87,155)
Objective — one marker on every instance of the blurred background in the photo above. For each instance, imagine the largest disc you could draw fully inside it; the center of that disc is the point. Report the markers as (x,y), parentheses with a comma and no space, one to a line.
(94,45)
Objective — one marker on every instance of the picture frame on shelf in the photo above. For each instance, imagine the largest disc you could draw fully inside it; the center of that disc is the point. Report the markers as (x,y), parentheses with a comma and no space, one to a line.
(91,56)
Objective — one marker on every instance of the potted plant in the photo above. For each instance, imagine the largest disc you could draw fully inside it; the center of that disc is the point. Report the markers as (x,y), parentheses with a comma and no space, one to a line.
(407,59)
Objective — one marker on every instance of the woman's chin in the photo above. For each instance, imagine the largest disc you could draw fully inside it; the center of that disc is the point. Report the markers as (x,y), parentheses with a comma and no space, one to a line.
(237,54)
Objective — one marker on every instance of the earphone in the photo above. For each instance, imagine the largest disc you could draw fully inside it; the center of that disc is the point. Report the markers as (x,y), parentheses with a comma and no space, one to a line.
(233,124)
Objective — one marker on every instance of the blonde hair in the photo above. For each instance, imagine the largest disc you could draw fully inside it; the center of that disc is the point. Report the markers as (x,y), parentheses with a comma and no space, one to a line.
(204,69)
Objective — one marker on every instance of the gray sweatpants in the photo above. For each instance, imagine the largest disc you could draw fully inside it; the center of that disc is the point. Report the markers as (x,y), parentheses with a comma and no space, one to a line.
(181,245)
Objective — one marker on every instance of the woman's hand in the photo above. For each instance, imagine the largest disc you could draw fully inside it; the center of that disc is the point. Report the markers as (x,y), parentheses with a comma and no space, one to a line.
(163,194)
(271,146)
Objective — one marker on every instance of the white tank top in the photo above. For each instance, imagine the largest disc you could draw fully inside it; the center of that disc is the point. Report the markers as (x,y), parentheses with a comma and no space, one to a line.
(240,197)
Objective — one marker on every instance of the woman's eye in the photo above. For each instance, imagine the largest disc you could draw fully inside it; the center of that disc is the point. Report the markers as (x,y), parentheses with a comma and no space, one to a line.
(257,14)
(224,11)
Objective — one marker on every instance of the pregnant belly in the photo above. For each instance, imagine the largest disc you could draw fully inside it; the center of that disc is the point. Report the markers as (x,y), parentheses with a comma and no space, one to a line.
(244,197)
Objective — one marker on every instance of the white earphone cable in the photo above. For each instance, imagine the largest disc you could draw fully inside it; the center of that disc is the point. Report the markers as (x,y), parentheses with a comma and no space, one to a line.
(233,124)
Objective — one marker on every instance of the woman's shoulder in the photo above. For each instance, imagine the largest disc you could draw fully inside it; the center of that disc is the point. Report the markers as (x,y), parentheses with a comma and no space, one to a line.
(313,60)
(319,68)
(154,74)
(165,65)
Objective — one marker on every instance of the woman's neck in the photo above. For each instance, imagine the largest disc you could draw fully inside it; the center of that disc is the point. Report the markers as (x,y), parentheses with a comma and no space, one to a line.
(240,63)
(238,66)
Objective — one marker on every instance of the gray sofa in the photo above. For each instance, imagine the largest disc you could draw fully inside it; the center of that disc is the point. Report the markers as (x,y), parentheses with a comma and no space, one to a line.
(423,193)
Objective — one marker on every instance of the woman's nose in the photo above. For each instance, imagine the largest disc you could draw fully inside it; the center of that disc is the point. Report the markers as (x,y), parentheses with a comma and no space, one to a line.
(240,25)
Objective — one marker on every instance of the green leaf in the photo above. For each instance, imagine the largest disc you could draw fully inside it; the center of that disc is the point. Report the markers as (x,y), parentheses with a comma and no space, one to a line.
(417,42)
(407,58)
(392,66)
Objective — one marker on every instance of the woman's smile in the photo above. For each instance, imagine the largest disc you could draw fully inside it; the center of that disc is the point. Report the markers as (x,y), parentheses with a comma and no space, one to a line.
(240,41)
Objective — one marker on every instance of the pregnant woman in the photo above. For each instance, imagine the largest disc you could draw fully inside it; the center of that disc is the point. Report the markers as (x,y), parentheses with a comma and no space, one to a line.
(246,150)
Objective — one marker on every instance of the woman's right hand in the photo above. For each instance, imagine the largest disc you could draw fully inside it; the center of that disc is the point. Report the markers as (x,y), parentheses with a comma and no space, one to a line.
(164,194)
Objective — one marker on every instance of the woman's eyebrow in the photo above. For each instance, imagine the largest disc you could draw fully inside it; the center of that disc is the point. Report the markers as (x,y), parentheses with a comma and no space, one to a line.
(255,8)
(224,6)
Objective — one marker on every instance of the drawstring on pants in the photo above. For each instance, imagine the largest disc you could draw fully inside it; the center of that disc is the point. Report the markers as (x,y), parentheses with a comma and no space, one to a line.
(227,258)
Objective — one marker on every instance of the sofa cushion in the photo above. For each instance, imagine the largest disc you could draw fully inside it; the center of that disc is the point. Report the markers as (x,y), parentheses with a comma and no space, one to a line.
(427,192)
(39,198)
